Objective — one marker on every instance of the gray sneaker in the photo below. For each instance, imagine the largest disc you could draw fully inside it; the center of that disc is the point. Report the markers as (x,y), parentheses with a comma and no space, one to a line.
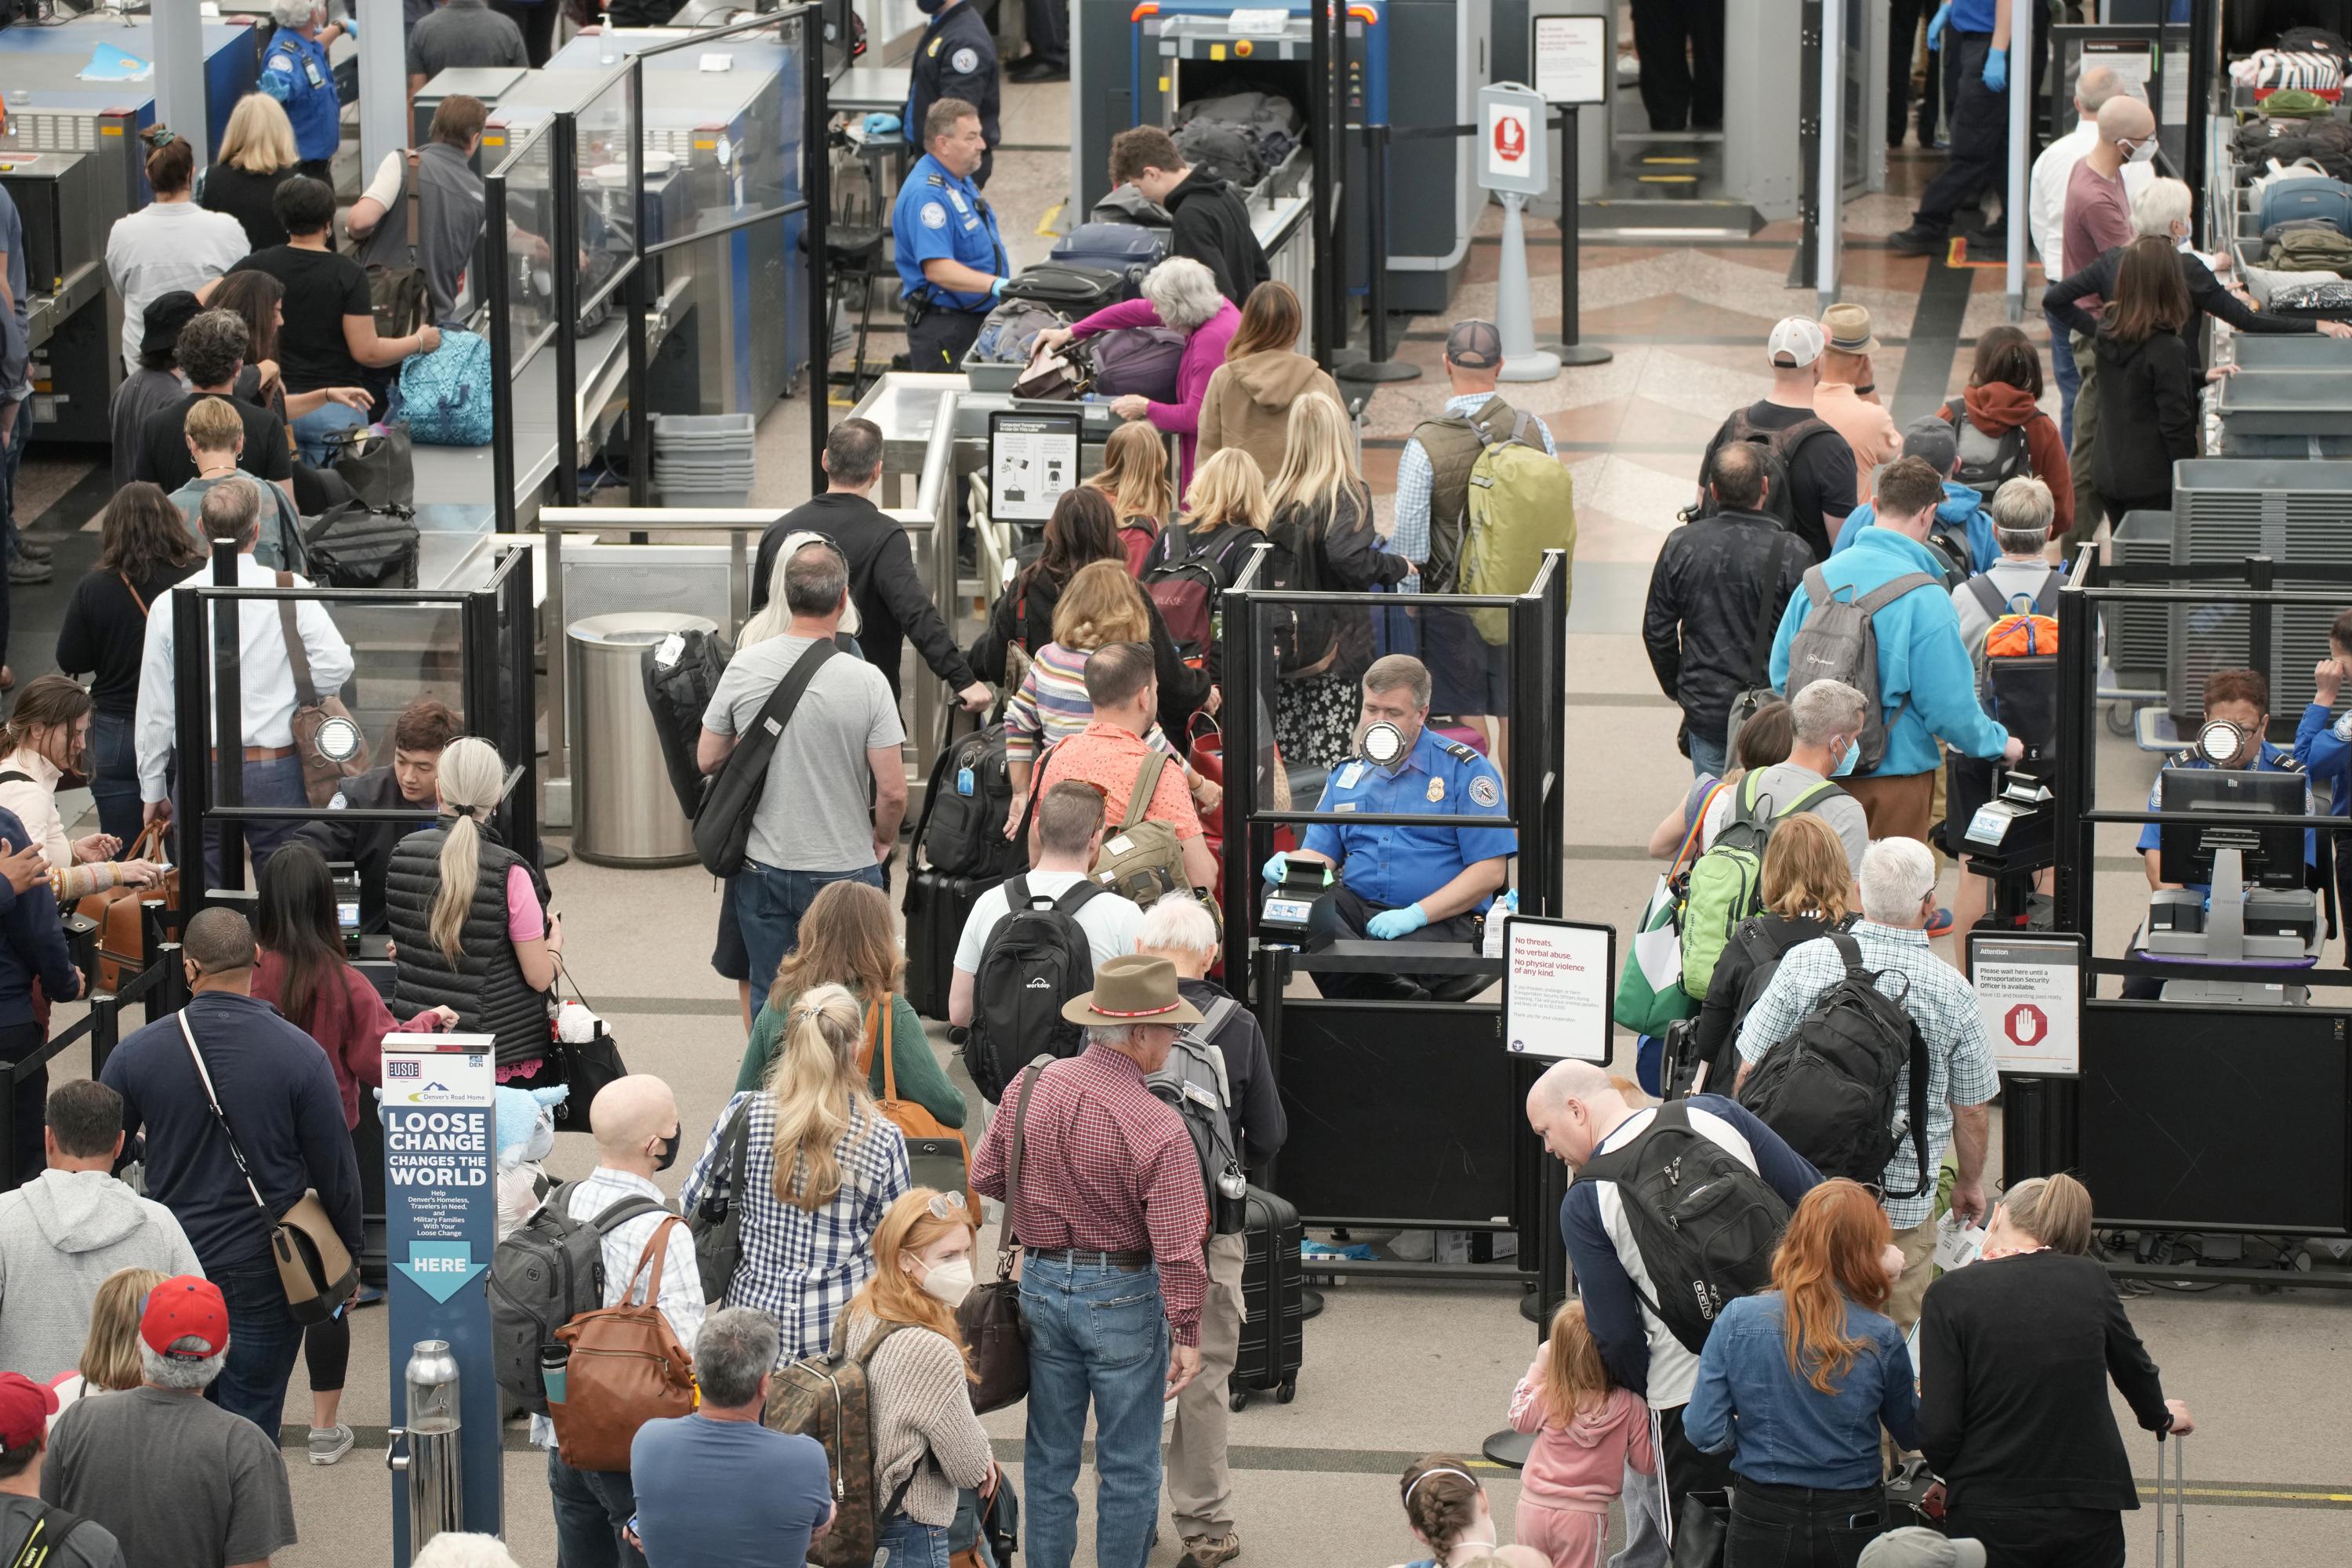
(328,1444)
(28,571)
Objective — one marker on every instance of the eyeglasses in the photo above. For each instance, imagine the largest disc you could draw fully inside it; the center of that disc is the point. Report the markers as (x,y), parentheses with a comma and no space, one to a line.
(945,1206)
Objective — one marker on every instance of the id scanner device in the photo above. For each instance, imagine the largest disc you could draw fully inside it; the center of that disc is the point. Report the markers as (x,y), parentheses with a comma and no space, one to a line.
(1289,907)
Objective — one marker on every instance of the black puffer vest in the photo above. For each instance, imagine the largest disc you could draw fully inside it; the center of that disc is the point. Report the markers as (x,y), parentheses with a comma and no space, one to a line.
(485,986)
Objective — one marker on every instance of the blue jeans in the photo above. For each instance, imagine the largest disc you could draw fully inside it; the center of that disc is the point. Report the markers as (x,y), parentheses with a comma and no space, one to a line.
(1706,755)
(2069,375)
(277,782)
(1096,1334)
(591,1505)
(263,1342)
(311,430)
(913,1543)
(114,775)
(769,904)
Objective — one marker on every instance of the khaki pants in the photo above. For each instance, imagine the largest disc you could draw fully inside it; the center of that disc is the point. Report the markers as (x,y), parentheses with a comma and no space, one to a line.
(1918,1244)
(2088,508)
(1200,1487)
(1900,806)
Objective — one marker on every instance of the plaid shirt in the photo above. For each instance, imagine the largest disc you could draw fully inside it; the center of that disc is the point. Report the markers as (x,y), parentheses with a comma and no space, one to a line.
(802,1267)
(1942,1002)
(681,1282)
(1105,1165)
(1415,480)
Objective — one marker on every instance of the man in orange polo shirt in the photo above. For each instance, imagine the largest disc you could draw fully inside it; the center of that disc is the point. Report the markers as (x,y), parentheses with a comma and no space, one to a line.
(1109,752)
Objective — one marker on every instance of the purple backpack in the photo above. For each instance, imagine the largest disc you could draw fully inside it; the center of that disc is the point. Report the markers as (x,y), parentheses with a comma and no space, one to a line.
(1140,359)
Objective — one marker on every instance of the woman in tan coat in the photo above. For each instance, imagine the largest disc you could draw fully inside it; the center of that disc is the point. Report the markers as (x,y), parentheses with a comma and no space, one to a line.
(1248,401)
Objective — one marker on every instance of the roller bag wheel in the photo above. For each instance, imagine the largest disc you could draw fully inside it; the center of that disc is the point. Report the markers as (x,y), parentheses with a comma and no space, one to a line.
(936,906)
(1273,1282)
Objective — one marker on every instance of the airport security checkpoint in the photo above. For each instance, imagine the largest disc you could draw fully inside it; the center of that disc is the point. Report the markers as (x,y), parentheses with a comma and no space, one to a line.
(1072,783)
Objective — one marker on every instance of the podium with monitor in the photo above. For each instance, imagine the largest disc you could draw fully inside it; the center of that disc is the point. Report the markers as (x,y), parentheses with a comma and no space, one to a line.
(2241,898)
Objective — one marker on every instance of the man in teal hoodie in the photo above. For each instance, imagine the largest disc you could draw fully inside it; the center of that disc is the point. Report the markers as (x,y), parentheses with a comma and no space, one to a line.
(1961,517)
(1927,685)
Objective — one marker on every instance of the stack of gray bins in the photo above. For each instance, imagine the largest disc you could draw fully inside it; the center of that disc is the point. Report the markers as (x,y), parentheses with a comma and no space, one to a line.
(2223,510)
(703,460)
(2292,398)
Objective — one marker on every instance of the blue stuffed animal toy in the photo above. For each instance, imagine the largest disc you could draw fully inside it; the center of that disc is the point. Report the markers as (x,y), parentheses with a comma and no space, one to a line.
(526,1135)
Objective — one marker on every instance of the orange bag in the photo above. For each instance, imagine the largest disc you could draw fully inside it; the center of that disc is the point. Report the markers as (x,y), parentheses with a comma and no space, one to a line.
(936,1154)
(121,949)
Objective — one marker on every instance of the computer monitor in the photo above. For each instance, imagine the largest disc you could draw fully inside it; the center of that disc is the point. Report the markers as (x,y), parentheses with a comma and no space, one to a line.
(2273,855)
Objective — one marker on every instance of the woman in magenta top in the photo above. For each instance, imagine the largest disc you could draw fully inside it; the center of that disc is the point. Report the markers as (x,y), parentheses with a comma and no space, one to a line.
(1183,294)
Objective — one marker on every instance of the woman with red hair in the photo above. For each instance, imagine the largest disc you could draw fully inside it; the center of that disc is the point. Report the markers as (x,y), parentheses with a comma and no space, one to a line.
(1795,1382)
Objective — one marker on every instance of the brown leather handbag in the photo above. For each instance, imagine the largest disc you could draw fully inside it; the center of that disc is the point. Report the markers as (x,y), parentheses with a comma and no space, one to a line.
(122,948)
(990,1316)
(324,769)
(936,1154)
(627,1368)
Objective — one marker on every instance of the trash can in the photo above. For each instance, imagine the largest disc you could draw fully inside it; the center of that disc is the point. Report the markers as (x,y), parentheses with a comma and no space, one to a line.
(624,812)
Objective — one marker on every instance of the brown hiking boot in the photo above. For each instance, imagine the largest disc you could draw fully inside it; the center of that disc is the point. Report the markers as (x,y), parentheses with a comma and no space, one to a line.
(1208,1550)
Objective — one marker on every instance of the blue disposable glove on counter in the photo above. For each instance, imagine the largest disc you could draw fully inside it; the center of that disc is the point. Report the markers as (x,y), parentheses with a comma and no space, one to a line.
(879,124)
(1996,72)
(1275,870)
(1391,924)
(1935,26)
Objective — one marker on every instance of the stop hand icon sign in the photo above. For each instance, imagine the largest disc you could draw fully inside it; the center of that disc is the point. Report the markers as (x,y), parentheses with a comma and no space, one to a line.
(1510,139)
(2026,1024)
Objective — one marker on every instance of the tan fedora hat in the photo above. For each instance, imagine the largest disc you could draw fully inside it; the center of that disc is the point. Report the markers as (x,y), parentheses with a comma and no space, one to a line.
(1135,989)
(1847,327)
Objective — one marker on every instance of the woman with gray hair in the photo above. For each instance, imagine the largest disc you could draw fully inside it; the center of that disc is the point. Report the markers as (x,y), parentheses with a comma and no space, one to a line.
(1181,294)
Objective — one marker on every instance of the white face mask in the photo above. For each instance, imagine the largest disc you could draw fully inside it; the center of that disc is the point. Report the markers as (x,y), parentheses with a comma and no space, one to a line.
(949,1281)
(2143,151)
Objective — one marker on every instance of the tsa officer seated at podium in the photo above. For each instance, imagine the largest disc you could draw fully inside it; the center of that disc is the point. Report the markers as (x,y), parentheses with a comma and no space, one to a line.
(2240,698)
(1420,880)
(950,259)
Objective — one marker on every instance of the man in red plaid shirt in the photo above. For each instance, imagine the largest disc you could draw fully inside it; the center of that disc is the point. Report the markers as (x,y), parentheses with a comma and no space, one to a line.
(1111,1219)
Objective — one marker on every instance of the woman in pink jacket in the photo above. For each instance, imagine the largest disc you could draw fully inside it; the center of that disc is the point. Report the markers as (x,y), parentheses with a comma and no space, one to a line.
(1587,1431)
(1181,294)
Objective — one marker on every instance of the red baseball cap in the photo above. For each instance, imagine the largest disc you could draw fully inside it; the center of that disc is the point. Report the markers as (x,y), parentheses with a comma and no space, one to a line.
(185,1307)
(26,1407)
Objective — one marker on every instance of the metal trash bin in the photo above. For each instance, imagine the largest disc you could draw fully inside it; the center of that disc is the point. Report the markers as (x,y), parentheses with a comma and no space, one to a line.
(624,812)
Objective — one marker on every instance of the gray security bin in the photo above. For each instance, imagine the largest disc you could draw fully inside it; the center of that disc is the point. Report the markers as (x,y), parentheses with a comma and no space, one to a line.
(624,812)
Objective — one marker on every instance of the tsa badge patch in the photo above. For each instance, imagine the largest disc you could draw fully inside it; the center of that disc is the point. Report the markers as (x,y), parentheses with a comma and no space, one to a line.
(934,215)
(963,62)
(1483,792)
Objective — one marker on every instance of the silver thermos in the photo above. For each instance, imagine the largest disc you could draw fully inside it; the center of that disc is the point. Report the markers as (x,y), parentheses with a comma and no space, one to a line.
(436,1486)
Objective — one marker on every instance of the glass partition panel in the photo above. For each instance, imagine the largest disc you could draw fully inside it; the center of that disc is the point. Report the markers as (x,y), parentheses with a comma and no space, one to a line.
(529,173)
(608,128)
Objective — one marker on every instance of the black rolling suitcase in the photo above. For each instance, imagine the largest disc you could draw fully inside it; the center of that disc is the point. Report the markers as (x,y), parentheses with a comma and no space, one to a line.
(936,906)
(1273,1335)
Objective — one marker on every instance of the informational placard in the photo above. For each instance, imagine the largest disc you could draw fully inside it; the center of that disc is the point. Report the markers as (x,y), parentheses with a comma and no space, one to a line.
(1572,58)
(2030,996)
(1032,459)
(441,1223)
(2134,59)
(1558,986)
(1514,147)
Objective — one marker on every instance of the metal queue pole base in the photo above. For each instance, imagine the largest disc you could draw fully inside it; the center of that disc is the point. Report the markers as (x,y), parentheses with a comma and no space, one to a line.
(1573,355)
(1509,1447)
(1377,370)
(1310,1303)
(1531,1306)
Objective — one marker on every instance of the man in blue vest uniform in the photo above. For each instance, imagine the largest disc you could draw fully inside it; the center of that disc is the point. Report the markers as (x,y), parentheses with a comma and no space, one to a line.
(296,72)
(951,267)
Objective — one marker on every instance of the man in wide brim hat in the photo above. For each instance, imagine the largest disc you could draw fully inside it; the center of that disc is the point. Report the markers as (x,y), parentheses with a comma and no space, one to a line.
(1133,989)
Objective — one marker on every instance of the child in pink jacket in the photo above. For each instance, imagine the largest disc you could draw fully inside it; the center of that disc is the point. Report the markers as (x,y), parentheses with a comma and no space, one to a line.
(1586,1433)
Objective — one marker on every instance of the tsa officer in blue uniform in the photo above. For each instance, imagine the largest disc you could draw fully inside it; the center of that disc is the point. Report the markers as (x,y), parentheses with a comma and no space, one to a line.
(950,258)
(295,71)
(957,59)
(1422,880)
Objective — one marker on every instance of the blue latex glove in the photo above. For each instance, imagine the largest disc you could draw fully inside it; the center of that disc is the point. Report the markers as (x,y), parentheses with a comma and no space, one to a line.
(881,124)
(996,287)
(1275,870)
(1996,72)
(1391,924)
(1935,26)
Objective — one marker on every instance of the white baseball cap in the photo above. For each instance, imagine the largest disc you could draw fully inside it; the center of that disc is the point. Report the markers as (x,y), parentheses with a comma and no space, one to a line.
(1800,338)
(1918,1547)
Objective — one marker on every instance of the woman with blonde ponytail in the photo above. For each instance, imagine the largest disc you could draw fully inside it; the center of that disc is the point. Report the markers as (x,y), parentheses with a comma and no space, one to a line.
(821,1166)
(470,927)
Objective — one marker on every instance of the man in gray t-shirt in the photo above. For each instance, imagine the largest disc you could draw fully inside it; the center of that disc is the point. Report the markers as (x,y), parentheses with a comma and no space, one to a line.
(462,34)
(837,786)
(1828,718)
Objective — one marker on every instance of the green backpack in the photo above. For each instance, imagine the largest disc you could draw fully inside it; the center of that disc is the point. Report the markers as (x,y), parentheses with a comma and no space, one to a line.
(2312,250)
(1725,886)
(1521,503)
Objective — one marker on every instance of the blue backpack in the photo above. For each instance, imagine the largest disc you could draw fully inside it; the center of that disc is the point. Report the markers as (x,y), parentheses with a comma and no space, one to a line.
(445,396)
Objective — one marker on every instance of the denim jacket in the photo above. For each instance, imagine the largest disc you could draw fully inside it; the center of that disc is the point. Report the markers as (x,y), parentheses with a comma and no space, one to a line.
(1775,1426)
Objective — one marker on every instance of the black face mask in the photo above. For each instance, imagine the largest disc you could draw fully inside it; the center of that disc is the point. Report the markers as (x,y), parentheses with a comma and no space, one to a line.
(669,1150)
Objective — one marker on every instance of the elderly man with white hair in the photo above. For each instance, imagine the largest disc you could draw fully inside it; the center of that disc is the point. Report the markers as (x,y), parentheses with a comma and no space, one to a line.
(296,72)
(175,1478)
(1589,1120)
(1890,942)
(1181,294)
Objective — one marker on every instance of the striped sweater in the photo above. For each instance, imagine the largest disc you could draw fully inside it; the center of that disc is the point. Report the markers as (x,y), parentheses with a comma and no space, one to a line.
(1052,705)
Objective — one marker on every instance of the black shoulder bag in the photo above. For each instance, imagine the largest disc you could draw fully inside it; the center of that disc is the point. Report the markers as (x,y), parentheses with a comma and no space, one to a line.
(990,1316)
(723,824)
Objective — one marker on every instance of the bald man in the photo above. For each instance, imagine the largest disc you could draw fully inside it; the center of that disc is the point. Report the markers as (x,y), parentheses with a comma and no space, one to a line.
(638,1131)
(1586,1119)
(2098,219)
(2046,201)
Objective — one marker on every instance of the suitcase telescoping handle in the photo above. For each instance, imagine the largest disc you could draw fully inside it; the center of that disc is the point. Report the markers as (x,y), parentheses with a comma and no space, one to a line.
(2173,1451)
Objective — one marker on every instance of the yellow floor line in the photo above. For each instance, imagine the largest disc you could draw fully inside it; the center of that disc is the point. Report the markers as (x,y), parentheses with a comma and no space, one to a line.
(1045,224)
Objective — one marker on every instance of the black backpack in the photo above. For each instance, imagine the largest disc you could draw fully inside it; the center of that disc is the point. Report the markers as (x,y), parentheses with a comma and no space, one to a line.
(1186,580)
(678,692)
(1829,1090)
(1989,462)
(1780,457)
(1302,633)
(960,829)
(1035,959)
(1706,1223)
(546,1273)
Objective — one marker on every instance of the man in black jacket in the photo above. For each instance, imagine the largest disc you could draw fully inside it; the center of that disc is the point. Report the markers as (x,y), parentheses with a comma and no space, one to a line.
(892,604)
(418,735)
(1715,604)
(1207,221)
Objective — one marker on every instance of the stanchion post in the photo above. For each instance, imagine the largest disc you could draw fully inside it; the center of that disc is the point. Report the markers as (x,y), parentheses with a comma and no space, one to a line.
(1380,367)
(636,300)
(1571,308)
(563,271)
(816,189)
(1319,184)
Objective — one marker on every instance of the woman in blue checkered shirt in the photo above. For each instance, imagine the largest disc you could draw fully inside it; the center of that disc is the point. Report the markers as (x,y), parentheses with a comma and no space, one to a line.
(822,1166)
